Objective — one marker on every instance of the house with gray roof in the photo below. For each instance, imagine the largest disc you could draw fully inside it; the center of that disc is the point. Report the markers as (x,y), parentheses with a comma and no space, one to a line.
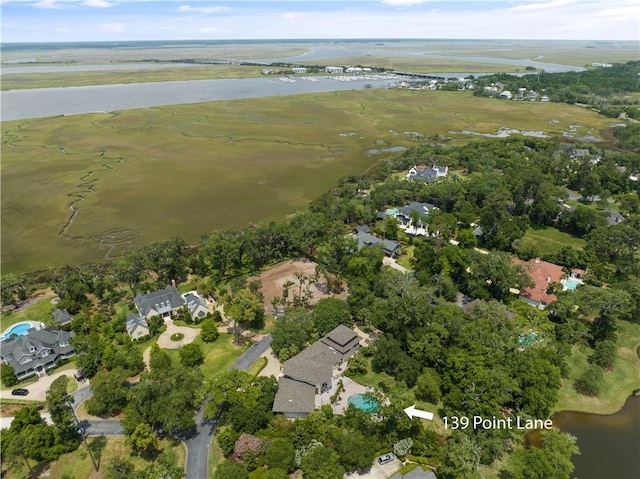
(62,316)
(417,473)
(427,174)
(313,370)
(163,303)
(390,247)
(137,326)
(37,351)
(295,399)
(196,305)
(613,216)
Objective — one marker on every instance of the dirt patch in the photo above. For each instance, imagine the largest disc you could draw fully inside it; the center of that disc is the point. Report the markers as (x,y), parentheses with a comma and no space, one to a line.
(30,301)
(274,279)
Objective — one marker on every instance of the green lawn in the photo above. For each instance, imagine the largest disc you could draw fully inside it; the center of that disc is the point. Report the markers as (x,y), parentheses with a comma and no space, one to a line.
(39,311)
(406,257)
(547,239)
(78,464)
(215,457)
(260,159)
(219,355)
(257,366)
(616,387)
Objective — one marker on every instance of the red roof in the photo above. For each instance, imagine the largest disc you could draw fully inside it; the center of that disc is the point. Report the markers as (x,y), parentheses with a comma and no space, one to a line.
(543,274)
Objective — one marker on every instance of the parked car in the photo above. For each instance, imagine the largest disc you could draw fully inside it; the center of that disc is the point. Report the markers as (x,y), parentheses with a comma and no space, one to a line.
(20,392)
(385,459)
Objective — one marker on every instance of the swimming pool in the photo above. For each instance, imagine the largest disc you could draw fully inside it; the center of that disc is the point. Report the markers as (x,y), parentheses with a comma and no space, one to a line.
(19,329)
(571,283)
(364,402)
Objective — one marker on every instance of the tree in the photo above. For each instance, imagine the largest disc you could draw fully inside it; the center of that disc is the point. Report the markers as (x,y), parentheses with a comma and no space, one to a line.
(59,404)
(590,382)
(191,355)
(604,354)
(159,360)
(428,386)
(144,441)
(461,458)
(209,330)
(551,461)
(164,399)
(322,463)
(279,454)
(7,375)
(291,332)
(403,447)
(109,393)
(230,470)
(355,449)
(165,467)
(330,313)
(119,468)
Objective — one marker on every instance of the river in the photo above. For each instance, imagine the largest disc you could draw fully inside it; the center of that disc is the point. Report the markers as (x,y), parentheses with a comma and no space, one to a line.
(609,445)
(45,102)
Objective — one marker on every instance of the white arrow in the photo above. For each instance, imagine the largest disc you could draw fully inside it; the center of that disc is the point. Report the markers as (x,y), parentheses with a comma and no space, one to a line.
(412,412)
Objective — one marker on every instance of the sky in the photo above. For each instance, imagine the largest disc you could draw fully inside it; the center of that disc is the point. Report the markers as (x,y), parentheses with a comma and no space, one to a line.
(122,20)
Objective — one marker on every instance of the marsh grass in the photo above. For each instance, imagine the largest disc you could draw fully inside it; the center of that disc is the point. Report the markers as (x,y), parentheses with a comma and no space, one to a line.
(185,170)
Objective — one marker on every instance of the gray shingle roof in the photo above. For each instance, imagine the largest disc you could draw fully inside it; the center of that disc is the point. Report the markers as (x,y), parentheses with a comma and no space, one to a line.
(314,365)
(193,302)
(62,316)
(135,321)
(294,397)
(422,208)
(365,239)
(162,301)
(33,344)
(341,338)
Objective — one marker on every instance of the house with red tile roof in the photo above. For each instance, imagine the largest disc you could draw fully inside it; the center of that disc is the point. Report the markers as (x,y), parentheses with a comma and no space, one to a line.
(543,275)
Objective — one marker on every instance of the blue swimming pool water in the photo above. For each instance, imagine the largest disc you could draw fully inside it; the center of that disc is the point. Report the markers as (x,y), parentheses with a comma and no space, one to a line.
(364,403)
(527,339)
(19,329)
(571,284)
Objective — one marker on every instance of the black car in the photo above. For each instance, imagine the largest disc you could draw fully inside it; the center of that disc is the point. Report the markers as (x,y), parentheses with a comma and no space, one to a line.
(20,392)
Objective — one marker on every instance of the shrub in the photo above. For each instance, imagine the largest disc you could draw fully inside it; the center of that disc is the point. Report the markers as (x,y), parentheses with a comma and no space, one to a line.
(590,381)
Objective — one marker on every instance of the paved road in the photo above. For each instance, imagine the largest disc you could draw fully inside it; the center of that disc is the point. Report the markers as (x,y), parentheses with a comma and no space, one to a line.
(197,462)
(198,444)
(251,354)
(80,395)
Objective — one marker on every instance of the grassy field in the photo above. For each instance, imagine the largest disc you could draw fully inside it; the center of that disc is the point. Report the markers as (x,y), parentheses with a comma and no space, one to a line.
(617,385)
(19,81)
(40,311)
(143,175)
(78,464)
(547,240)
(218,356)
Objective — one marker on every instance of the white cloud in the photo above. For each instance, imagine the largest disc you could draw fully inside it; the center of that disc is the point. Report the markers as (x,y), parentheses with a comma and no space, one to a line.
(204,10)
(47,4)
(292,15)
(97,4)
(112,28)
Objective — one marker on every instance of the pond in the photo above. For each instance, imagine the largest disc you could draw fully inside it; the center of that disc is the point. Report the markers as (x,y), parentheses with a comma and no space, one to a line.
(609,445)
